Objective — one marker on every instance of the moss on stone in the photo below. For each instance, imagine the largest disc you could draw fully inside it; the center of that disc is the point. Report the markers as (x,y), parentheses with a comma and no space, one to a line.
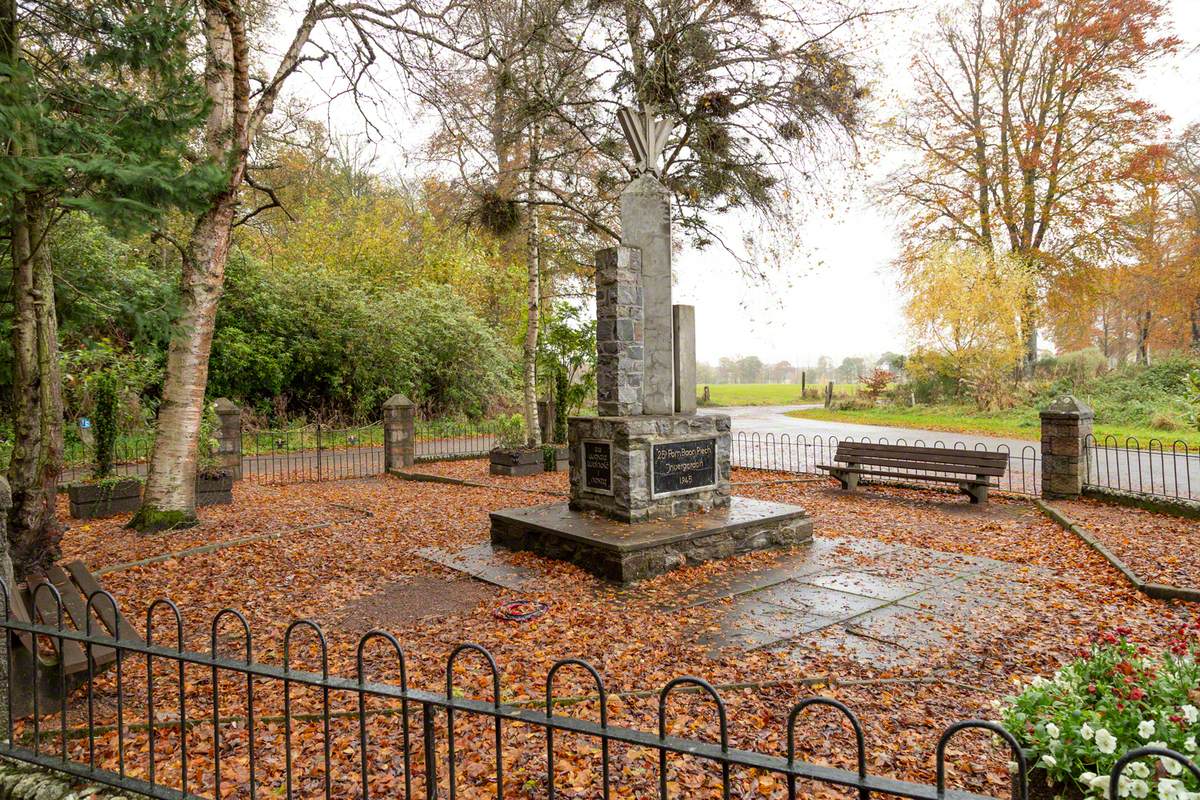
(152,520)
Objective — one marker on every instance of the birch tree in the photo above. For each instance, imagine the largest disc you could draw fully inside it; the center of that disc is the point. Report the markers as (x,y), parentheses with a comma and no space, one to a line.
(241,98)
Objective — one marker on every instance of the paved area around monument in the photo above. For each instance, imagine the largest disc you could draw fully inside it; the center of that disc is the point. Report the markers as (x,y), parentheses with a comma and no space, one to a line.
(877,603)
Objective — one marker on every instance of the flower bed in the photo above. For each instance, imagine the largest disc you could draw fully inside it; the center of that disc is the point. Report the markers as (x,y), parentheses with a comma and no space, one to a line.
(1116,698)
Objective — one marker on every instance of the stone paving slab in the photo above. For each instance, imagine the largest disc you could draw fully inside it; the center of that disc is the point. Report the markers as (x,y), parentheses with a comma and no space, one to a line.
(480,561)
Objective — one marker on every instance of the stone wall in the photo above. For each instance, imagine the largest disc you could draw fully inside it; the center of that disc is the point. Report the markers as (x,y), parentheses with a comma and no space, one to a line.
(631,439)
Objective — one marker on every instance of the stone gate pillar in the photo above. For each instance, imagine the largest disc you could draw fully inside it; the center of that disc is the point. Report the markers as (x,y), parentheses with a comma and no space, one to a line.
(399,433)
(229,436)
(1066,425)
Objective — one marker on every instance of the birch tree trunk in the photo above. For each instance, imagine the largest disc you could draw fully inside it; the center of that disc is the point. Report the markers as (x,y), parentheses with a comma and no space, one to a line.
(169,500)
(533,430)
(170,496)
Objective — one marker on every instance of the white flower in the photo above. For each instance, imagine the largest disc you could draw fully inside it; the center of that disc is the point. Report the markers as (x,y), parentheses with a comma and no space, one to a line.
(1049,761)
(1139,788)
(1190,744)
(1037,680)
(1190,713)
(1052,730)
(1106,743)
(1086,732)
(1169,789)
(1146,728)
(1172,766)
(1100,784)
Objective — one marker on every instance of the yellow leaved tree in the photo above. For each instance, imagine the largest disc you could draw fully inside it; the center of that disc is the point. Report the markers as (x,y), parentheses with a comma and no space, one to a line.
(964,312)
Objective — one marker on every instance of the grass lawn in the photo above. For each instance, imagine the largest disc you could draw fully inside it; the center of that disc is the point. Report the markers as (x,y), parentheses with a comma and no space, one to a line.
(1015,424)
(767,394)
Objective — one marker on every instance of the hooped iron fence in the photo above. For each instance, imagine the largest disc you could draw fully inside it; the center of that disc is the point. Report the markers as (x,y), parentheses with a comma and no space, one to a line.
(447,440)
(314,452)
(802,454)
(190,755)
(1159,469)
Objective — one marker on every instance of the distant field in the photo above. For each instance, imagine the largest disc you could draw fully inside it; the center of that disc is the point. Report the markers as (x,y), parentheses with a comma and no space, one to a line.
(768,394)
(1015,424)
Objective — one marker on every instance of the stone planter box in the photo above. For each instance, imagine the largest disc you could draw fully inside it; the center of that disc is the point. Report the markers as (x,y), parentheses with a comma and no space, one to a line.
(515,462)
(214,489)
(91,500)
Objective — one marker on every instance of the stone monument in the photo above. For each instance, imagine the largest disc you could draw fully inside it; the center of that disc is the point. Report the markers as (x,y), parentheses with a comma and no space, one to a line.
(650,478)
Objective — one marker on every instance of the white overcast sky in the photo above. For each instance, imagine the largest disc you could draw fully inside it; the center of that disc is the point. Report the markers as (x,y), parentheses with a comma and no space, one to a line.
(838,295)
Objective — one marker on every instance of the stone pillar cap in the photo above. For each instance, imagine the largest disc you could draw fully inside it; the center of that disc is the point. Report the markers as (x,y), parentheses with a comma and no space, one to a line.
(397,401)
(224,405)
(1067,406)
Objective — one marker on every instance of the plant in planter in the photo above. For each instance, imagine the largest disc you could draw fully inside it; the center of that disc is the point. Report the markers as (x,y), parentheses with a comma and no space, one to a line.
(104,494)
(214,483)
(511,456)
(1116,698)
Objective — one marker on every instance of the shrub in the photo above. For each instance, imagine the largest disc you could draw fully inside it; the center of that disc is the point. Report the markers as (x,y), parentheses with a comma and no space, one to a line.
(875,383)
(105,419)
(510,432)
(1116,698)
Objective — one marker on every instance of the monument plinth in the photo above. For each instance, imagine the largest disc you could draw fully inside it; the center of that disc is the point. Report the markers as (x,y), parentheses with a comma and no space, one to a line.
(650,477)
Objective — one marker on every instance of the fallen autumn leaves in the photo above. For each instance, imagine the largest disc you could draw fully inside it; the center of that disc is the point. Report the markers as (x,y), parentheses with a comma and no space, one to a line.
(330,551)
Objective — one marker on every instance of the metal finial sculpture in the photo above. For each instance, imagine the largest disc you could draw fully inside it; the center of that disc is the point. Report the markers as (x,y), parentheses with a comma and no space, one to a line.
(647,136)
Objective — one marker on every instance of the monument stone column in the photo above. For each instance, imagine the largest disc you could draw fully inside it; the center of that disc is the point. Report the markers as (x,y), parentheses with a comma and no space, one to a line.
(647,462)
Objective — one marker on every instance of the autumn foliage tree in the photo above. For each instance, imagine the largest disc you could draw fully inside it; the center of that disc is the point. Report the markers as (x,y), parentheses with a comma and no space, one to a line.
(964,310)
(1023,117)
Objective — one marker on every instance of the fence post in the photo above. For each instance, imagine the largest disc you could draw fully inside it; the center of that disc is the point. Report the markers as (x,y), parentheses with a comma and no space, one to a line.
(1066,425)
(399,436)
(229,436)
(829,394)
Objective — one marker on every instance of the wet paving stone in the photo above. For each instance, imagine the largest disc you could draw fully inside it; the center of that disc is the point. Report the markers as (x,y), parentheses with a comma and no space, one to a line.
(816,599)
(867,584)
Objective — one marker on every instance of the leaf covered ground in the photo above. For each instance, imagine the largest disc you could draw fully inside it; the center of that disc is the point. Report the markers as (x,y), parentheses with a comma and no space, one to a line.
(1159,548)
(343,554)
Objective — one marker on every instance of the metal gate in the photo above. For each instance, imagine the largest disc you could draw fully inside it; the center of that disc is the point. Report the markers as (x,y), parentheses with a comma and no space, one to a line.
(313,452)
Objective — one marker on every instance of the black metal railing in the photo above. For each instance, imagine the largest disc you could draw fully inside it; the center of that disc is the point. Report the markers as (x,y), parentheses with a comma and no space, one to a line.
(314,452)
(169,746)
(446,440)
(802,454)
(1157,469)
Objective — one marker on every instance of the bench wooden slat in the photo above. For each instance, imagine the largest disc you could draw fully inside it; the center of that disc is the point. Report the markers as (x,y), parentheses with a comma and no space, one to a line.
(117,625)
(19,610)
(885,474)
(944,454)
(897,462)
(76,606)
(72,655)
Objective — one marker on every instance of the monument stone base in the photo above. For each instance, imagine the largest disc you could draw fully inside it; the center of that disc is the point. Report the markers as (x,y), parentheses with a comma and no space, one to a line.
(646,467)
(624,552)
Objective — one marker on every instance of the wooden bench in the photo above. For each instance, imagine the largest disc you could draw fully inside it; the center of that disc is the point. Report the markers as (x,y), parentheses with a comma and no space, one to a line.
(974,471)
(66,664)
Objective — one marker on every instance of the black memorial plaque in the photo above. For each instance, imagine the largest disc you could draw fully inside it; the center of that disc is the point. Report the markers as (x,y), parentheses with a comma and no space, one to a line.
(684,466)
(597,466)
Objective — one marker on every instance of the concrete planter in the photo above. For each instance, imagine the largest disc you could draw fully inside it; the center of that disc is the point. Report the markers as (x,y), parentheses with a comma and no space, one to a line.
(516,461)
(214,489)
(91,500)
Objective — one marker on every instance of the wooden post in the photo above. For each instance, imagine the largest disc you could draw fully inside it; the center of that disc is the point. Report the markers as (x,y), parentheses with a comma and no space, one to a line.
(829,394)
(803,383)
